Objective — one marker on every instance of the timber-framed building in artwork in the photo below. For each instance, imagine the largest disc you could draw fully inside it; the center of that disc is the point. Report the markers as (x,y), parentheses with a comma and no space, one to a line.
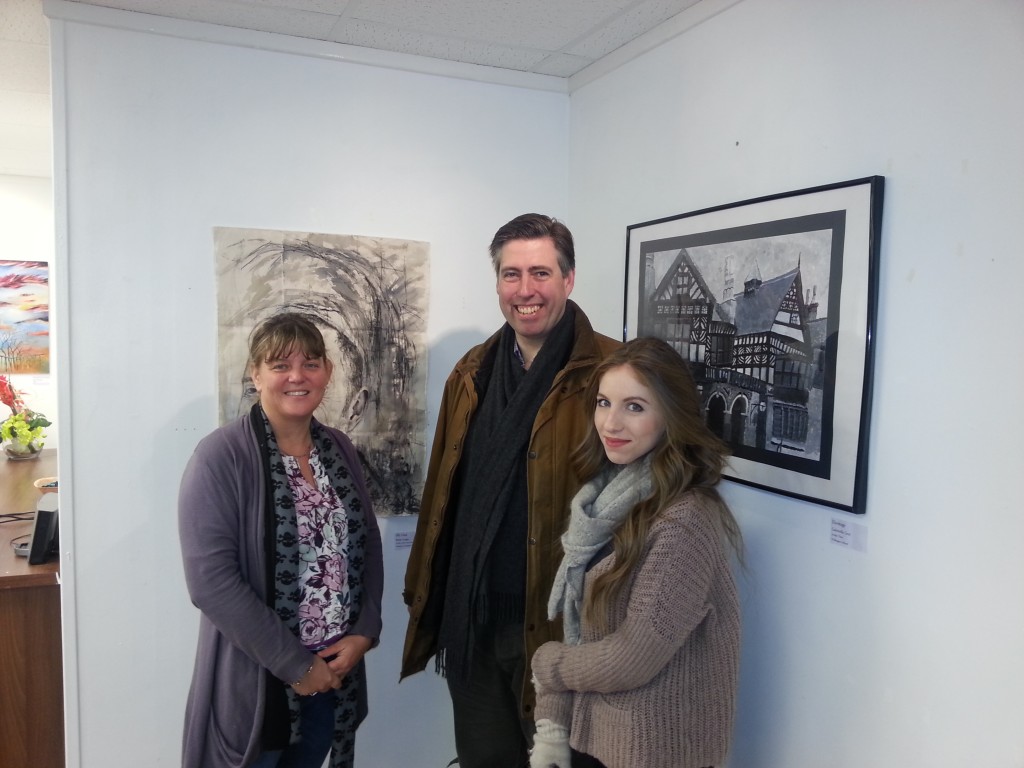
(756,355)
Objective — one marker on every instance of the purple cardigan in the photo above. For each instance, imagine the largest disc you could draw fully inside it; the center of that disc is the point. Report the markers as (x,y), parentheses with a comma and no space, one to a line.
(221,507)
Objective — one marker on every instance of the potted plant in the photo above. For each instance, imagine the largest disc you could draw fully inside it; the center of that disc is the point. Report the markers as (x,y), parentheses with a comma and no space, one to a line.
(22,432)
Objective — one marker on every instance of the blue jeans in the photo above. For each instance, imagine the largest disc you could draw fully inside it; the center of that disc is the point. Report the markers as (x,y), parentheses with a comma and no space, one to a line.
(316,732)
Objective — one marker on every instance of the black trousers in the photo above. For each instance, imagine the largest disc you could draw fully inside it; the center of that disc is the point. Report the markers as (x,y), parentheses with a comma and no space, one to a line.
(580,760)
(489,733)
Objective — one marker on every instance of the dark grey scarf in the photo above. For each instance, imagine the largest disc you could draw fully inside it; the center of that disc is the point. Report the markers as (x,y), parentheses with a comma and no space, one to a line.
(487,575)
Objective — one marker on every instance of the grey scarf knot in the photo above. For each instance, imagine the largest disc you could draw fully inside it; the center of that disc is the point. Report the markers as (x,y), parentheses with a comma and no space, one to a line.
(596,512)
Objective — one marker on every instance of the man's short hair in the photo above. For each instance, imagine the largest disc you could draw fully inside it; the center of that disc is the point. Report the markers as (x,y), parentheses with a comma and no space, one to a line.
(533,226)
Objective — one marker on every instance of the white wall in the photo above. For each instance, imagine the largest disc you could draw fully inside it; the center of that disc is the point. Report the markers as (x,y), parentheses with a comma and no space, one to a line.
(26,221)
(909,654)
(166,138)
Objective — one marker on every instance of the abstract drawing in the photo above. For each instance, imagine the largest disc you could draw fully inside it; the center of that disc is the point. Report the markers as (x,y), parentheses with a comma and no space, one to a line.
(369,297)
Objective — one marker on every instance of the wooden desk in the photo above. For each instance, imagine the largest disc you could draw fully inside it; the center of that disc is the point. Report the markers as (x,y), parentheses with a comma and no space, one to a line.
(31,671)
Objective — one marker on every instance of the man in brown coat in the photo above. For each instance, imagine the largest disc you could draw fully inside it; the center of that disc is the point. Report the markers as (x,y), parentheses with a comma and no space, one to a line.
(497,494)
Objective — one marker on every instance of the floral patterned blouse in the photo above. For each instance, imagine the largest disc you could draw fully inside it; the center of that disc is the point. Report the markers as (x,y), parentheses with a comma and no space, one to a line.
(323,553)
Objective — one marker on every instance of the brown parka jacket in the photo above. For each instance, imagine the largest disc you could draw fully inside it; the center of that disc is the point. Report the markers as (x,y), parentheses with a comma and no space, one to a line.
(551,484)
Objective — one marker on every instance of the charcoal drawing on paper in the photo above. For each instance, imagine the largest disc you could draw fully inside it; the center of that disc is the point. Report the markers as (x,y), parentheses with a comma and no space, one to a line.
(369,297)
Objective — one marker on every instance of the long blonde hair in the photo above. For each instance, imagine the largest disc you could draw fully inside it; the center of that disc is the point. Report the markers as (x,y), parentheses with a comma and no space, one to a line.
(689,457)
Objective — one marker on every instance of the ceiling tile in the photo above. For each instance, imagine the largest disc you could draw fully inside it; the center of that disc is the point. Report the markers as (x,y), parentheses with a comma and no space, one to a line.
(259,16)
(540,24)
(330,7)
(385,37)
(629,26)
(23,22)
(172,9)
(24,67)
(263,18)
(561,65)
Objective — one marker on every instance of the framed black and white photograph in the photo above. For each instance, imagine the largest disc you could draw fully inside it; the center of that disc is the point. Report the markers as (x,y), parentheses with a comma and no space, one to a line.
(772,301)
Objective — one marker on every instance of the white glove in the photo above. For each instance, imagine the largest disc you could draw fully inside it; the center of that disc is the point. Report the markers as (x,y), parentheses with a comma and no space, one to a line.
(550,746)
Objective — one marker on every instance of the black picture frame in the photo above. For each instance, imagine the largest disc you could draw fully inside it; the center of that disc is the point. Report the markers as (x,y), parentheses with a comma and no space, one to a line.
(773,302)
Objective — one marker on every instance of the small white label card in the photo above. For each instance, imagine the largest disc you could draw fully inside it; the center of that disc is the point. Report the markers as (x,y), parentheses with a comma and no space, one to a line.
(848,534)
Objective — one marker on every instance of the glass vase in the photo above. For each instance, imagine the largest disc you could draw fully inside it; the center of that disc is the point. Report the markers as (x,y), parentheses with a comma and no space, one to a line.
(22,451)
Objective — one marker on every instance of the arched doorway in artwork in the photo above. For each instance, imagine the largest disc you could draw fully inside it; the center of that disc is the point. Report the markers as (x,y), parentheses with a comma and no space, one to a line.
(716,415)
(738,422)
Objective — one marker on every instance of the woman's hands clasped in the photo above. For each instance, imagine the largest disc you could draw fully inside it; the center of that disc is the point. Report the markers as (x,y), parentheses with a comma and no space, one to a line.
(319,678)
(346,652)
(343,657)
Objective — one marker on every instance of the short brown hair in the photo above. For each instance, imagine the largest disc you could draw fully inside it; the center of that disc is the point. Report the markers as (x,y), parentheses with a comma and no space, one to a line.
(533,226)
(282,333)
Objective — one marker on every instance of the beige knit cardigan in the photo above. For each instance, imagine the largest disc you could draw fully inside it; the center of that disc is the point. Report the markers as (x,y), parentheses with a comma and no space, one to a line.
(659,689)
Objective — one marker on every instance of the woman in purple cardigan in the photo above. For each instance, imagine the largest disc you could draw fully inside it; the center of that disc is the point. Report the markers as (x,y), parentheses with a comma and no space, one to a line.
(647,672)
(282,555)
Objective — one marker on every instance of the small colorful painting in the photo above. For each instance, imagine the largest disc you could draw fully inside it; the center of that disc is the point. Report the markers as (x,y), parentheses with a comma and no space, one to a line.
(24,317)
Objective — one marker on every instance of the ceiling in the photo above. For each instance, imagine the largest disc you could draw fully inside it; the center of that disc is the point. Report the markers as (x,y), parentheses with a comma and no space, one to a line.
(24,89)
(547,37)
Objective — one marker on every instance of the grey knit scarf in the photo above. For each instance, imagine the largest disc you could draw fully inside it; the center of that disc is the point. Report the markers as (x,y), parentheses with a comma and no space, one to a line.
(596,512)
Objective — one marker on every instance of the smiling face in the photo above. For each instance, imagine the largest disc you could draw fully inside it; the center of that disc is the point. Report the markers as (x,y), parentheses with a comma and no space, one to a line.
(291,386)
(532,290)
(627,416)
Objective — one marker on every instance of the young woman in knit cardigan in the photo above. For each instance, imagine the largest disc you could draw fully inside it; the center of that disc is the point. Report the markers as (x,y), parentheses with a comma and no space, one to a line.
(647,672)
